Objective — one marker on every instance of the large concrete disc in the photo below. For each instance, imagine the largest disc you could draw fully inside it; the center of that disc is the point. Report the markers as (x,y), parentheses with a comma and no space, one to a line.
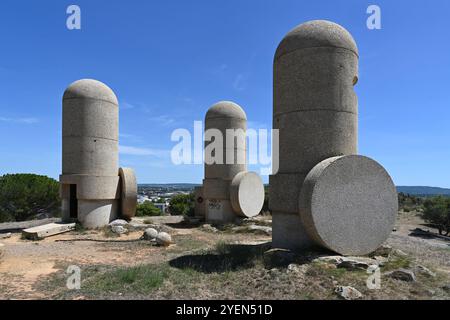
(247,194)
(348,204)
(128,198)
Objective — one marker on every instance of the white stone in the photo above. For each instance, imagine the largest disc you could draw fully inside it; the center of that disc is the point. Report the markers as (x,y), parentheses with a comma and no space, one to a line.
(118,229)
(150,234)
(118,222)
(163,239)
(348,293)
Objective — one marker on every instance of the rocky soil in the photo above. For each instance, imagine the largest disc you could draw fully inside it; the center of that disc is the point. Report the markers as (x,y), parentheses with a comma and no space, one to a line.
(195,261)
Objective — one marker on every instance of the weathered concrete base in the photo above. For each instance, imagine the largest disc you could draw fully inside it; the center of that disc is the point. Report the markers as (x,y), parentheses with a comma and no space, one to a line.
(98,213)
(219,211)
(47,230)
(200,202)
(284,190)
(215,188)
(288,232)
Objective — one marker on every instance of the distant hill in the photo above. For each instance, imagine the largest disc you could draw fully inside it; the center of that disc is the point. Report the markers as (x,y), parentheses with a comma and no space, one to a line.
(169,185)
(423,191)
(412,190)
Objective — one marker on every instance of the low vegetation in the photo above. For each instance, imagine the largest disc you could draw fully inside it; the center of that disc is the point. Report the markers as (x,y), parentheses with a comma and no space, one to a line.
(436,211)
(182,204)
(25,196)
(147,209)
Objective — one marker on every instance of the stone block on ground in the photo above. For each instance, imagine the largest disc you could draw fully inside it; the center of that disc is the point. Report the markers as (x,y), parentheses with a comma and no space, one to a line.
(41,232)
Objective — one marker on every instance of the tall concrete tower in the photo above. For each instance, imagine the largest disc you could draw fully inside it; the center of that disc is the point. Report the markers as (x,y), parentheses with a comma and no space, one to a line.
(323,193)
(229,190)
(91,187)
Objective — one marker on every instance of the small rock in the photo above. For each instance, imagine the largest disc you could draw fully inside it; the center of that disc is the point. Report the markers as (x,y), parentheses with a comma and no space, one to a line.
(348,293)
(354,265)
(295,268)
(351,263)
(381,261)
(163,239)
(399,253)
(430,292)
(150,234)
(383,251)
(210,228)
(5,235)
(330,259)
(278,257)
(119,229)
(118,222)
(425,271)
(402,274)
(446,288)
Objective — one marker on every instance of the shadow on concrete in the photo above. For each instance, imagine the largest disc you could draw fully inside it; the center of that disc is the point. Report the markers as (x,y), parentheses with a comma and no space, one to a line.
(228,257)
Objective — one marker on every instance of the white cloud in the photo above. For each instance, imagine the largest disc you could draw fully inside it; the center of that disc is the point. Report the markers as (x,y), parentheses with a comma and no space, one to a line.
(240,82)
(126,106)
(20,120)
(164,120)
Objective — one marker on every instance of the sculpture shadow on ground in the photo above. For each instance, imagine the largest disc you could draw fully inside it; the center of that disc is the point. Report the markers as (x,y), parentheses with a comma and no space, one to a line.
(226,257)
(183,225)
(425,234)
(232,257)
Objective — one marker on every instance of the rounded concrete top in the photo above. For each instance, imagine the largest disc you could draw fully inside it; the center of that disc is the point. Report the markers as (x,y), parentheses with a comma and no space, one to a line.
(247,194)
(316,33)
(226,109)
(128,198)
(348,204)
(90,89)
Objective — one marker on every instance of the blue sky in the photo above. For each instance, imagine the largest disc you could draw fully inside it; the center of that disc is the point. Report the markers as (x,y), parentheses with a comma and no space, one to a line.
(168,61)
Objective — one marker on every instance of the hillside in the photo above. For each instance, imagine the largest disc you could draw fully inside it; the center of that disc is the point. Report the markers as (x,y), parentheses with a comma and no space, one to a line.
(423,191)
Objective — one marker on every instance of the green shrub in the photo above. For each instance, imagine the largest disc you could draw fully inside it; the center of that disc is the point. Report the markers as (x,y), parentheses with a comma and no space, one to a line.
(437,212)
(182,204)
(147,209)
(23,196)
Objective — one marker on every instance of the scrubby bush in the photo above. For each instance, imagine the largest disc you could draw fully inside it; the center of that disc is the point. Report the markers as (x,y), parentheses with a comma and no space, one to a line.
(407,202)
(182,204)
(24,196)
(147,209)
(437,212)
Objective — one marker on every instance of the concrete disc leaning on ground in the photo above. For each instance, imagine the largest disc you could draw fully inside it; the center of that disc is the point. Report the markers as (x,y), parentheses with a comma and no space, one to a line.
(129,192)
(247,194)
(348,204)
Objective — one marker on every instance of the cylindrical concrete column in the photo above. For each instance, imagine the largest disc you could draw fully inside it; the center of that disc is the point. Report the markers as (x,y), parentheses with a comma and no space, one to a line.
(316,112)
(90,129)
(228,189)
(90,170)
(230,120)
(225,157)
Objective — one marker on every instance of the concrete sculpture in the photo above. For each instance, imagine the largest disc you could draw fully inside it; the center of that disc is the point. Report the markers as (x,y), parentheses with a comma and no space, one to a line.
(324,194)
(93,189)
(229,190)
